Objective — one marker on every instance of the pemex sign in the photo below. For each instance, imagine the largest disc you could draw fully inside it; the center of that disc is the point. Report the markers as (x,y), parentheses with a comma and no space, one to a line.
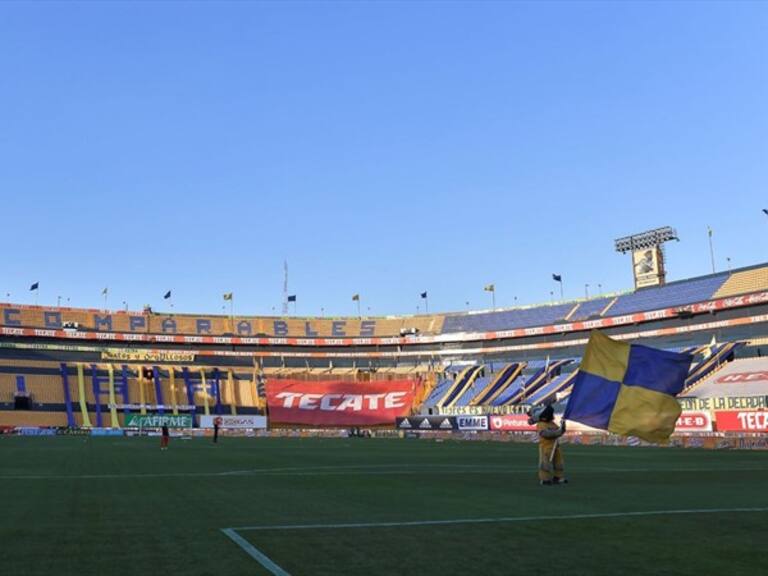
(158,420)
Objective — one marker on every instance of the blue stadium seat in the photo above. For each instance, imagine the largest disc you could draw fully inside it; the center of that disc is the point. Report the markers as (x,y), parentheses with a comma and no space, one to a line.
(674,294)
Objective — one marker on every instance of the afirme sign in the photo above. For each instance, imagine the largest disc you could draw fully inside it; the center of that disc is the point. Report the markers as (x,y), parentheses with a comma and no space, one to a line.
(242,422)
(158,420)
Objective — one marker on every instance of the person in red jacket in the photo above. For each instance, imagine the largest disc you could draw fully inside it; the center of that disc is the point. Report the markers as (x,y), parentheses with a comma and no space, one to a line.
(164,438)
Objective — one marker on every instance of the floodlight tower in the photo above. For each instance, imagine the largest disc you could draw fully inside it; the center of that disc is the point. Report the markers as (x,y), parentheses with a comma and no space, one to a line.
(647,250)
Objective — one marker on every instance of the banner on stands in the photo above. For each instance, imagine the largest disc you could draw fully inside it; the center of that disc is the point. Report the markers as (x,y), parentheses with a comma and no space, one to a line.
(158,420)
(479,423)
(107,432)
(724,403)
(416,423)
(154,407)
(741,421)
(511,423)
(699,421)
(338,403)
(128,355)
(479,410)
(35,431)
(246,421)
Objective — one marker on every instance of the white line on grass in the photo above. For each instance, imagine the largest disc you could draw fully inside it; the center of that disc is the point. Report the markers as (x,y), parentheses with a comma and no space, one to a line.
(254,552)
(505,519)
(273,568)
(363,470)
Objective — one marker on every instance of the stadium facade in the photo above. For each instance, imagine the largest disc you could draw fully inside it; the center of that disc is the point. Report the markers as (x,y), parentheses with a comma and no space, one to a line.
(70,367)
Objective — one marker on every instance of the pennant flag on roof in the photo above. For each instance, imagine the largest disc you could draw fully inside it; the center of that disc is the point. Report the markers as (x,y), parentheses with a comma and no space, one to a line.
(292,298)
(167,295)
(423,294)
(490,288)
(628,389)
(34,286)
(228,296)
(557,277)
(355,297)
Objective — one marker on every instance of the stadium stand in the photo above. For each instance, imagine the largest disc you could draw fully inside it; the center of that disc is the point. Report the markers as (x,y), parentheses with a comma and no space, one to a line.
(530,386)
(680,293)
(479,383)
(548,392)
(70,378)
(673,294)
(499,384)
(714,357)
(507,319)
(463,382)
(741,377)
(744,282)
(590,309)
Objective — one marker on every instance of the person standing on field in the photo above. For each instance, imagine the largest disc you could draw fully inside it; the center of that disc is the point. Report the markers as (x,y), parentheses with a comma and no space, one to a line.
(164,438)
(216,424)
(551,469)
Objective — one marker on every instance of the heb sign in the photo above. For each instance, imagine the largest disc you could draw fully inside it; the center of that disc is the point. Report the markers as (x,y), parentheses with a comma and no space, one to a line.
(741,421)
(512,423)
(246,421)
(694,422)
(738,377)
(339,403)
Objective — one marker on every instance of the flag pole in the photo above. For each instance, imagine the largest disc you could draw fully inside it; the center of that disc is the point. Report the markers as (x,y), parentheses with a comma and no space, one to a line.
(711,249)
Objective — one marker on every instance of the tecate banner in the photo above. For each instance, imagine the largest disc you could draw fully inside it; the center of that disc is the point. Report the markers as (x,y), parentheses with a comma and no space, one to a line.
(699,421)
(245,421)
(511,423)
(472,422)
(741,421)
(338,403)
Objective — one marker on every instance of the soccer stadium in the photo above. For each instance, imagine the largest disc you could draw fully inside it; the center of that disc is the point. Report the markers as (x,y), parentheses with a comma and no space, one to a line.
(303,389)
(365,288)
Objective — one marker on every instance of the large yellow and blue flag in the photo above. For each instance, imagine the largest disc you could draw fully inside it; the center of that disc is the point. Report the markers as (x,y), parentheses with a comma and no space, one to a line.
(628,389)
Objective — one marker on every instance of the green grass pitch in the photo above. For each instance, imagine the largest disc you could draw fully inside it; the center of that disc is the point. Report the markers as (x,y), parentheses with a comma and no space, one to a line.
(95,506)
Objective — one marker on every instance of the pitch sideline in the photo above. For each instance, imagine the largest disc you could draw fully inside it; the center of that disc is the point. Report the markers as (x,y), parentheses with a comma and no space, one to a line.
(276,570)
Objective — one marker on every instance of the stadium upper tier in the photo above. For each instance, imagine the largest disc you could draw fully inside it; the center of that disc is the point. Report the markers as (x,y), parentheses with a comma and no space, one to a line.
(696,295)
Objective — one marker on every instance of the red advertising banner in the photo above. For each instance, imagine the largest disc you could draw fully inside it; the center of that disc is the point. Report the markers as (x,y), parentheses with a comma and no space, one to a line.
(338,403)
(695,421)
(741,421)
(738,377)
(511,422)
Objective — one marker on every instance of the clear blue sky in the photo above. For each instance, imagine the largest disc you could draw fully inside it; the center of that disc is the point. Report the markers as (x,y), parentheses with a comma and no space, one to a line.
(381,148)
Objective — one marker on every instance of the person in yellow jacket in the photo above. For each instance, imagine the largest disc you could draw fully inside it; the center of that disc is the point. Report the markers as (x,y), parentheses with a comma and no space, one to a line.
(551,470)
